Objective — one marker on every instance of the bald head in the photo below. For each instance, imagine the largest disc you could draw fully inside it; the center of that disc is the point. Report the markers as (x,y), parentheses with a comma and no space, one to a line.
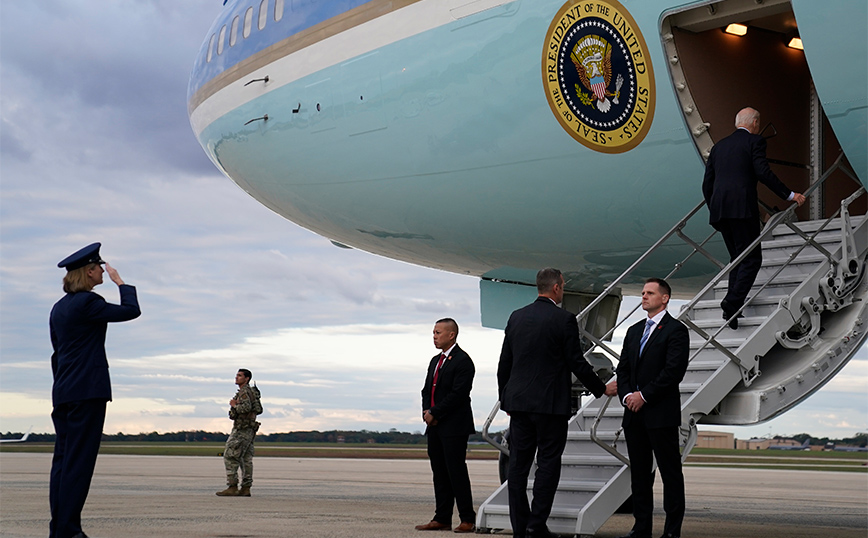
(748,118)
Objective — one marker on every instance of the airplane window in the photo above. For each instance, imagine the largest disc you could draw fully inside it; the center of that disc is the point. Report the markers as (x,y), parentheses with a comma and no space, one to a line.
(210,49)
(248,22)
(263,13)
(220,39)
(233,33)
(278,10)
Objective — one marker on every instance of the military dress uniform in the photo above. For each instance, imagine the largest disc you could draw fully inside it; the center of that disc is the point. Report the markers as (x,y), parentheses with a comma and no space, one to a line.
(239,449)
(81,388)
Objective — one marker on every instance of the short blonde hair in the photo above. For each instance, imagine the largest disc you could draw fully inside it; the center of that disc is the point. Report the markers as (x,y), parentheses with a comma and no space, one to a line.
(77,280)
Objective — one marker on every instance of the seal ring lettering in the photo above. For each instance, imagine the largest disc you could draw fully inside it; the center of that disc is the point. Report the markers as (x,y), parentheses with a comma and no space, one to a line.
(597,74)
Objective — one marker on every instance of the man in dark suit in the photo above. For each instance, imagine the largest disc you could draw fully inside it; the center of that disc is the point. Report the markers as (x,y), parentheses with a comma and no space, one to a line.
(653,362)
(734,167)
(446,410)
(541,346)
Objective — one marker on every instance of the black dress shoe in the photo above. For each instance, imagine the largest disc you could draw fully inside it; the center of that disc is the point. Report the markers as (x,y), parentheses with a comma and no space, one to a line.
(728,311)
(542,533)
(669,535)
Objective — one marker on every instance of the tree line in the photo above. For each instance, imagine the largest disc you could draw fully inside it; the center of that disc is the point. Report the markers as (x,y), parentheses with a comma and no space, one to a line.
(392,436)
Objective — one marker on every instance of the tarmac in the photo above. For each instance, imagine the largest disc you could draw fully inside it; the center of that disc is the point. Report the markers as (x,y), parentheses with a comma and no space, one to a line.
(173,496)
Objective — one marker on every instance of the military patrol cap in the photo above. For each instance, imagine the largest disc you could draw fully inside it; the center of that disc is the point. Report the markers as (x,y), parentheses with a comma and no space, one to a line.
(81,258)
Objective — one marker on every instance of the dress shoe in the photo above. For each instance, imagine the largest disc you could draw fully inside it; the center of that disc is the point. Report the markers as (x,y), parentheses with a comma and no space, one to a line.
(80,535)
(728,311)
(434,526)
(669,535)
(465,526)
(541,533)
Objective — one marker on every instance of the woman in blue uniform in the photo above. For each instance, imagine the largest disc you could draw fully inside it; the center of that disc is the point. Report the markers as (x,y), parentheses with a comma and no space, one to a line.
(81,387)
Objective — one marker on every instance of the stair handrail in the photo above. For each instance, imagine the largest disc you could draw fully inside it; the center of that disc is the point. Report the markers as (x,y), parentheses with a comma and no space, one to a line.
(487,437)
(599,442)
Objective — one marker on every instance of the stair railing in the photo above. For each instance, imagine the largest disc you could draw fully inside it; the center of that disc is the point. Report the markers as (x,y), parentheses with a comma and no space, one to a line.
(749,372)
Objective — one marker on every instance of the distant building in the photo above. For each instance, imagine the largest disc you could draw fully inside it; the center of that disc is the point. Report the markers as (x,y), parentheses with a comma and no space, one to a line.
(715,440)
(753,444)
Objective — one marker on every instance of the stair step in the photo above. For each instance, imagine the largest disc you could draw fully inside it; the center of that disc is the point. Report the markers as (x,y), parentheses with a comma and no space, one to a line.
(576,486)
(788,280)
(561,513)
(593,460)
(813,225)
(714,304)
(803,258)
(729,343)
(585,435)
(689,388)
(697,364)
(714,324)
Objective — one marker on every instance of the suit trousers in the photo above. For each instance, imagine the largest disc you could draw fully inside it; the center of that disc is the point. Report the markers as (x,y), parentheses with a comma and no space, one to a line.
(447,454)
(738,234)
(78,427)
(663,442)
(543,435)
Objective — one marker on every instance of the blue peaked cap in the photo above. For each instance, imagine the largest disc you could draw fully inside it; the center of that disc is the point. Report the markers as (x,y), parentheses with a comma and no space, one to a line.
(82,257)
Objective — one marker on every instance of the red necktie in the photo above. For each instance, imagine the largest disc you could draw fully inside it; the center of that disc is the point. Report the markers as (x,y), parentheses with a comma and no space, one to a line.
(436,375)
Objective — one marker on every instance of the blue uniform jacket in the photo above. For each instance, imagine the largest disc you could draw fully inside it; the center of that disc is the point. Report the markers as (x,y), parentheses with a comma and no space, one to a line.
(78,325)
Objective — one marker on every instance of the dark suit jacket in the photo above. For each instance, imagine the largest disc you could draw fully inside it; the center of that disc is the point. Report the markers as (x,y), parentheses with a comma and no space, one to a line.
(452,397)
(541,346)
(734,167)
(78,325)
(657,373)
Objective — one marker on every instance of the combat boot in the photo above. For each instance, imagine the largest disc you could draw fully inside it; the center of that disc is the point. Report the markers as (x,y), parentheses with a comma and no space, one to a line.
(244,492)
(231,491)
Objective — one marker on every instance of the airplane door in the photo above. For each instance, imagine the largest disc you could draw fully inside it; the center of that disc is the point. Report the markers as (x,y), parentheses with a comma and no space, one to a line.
(839,70)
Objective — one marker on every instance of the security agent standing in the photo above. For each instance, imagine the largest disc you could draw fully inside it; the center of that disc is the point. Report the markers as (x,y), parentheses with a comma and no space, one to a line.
(734,167)
(541,346)
(81,387)
(239,450)
(653,361)
(449,418)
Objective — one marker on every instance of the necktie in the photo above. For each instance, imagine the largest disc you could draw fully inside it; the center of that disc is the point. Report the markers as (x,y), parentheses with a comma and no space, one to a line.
(645,335)
(436,375)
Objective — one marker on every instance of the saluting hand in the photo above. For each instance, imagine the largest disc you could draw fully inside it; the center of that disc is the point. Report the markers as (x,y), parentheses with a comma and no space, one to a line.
(113,274)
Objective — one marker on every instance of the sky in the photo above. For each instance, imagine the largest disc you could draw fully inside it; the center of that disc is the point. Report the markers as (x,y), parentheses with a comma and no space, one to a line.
(95,145)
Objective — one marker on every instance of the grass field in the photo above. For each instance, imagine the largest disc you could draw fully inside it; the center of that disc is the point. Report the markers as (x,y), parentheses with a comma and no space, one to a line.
(763,459)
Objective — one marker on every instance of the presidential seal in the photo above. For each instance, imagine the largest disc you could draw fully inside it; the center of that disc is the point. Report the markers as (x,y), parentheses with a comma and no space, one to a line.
(597,75)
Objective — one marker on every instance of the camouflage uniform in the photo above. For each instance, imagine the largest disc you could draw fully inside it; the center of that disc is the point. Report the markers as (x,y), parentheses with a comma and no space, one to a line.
(239,447)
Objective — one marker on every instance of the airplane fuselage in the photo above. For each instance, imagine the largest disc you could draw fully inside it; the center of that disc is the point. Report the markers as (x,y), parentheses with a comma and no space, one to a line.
(488,138)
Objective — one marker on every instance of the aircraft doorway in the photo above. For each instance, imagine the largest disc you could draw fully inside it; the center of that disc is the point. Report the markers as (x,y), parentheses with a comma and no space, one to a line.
(716,74)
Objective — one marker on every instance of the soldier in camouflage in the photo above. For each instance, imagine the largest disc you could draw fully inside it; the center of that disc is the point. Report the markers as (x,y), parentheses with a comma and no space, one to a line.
(243,409)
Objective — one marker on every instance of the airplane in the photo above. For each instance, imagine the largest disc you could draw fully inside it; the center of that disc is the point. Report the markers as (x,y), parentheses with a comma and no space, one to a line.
(804,446)
(433,131)
(495,137)
(20,440)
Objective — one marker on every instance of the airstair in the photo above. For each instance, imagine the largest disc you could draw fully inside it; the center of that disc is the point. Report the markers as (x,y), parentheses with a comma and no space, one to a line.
(805,319)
